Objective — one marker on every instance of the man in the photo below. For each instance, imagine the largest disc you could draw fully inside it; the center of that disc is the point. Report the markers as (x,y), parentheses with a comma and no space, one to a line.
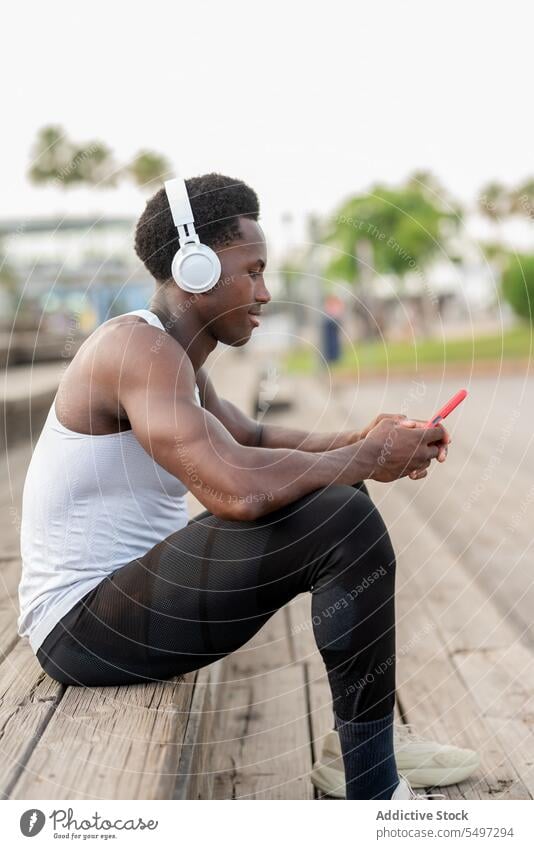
(132,591)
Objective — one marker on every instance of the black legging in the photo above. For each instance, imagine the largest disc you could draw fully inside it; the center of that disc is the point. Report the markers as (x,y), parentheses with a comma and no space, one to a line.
(206,589)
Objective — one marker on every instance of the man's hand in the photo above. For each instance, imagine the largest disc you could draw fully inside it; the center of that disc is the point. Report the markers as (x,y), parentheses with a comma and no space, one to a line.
(443,445)
(402,419)
(405,447)
(394,416)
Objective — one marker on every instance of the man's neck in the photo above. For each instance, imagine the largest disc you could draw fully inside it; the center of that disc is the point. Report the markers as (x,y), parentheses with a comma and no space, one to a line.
(180,322)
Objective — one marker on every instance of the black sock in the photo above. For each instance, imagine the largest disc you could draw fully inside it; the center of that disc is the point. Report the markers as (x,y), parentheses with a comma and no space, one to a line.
(368,757)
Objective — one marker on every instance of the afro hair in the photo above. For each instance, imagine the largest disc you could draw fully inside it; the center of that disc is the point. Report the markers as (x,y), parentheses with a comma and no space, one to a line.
(217,202)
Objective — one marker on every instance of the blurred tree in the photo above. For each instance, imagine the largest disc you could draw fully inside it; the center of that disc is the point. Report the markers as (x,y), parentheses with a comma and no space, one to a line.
(147,168)
(518,284)
(432,188)
(57,160)
(289,271)
(522,199)
(388,231)
(495,201)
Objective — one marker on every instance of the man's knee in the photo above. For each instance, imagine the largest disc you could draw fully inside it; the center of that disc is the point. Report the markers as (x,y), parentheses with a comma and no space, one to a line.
(342,511)
(347,506)
(357,526)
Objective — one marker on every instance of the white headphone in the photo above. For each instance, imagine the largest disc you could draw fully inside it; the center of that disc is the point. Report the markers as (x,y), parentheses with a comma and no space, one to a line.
(195,267)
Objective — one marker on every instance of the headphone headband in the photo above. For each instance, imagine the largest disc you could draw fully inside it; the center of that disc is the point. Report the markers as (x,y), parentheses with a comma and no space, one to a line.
(179,201)
(195,267)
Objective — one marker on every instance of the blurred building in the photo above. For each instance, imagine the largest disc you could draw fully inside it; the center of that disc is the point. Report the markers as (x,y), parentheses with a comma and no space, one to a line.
(77,269)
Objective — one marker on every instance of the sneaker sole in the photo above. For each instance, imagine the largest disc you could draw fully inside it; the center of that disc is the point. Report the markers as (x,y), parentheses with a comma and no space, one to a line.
(331,782)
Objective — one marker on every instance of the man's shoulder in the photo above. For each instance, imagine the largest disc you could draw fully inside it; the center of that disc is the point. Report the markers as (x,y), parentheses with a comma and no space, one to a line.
(131,335)
(128,351)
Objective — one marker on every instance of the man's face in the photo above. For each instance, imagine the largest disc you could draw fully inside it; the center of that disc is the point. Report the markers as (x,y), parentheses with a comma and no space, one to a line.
(226,309)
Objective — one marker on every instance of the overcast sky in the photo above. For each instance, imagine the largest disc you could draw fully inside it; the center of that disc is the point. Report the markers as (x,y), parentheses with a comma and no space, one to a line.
(306,101)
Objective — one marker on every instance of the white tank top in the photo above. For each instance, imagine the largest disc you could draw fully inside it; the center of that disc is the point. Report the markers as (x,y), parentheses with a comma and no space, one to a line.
(90,504)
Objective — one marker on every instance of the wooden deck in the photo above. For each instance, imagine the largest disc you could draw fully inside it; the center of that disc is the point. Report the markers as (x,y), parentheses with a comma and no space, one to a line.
(251,726)
(465,662)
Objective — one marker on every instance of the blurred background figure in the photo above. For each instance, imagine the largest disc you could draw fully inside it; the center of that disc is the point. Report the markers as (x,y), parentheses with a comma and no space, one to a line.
(331,325)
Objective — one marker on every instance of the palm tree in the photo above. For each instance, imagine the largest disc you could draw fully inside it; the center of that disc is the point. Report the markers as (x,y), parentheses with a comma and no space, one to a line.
(522,199)
(494,201)
(147,168)
(56,159)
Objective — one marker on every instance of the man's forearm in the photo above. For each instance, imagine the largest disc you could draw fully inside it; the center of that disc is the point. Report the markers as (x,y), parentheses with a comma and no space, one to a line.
(271,478)
(247,483)
(275,436)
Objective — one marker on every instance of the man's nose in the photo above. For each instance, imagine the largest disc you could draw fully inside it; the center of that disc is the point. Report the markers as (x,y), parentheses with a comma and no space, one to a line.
(262,293)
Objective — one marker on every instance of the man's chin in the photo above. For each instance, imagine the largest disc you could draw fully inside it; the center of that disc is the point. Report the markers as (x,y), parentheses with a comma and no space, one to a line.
(240,342)
(232,341)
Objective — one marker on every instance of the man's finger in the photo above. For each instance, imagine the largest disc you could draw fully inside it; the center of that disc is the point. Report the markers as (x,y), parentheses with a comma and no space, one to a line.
(444,436)
(418,473)
(396,416)
(436,433)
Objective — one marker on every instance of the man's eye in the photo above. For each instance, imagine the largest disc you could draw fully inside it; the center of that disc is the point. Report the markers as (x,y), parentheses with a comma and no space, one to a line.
(255,273)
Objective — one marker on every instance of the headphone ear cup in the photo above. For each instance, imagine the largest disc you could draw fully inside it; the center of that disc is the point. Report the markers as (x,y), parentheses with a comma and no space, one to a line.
(196,268)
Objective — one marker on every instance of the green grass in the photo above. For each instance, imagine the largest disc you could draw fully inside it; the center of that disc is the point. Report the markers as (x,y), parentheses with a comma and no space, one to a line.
(382,355)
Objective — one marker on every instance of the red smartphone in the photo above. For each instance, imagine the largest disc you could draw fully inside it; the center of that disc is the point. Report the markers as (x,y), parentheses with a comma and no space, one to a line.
(447,408)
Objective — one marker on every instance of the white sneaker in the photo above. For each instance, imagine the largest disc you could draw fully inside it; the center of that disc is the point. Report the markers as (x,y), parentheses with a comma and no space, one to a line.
(423,763)
(403,790)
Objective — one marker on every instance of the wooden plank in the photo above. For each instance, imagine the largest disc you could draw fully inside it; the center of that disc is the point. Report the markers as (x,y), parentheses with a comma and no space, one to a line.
(195,777)
(263,749)
(481,499)
(28,699)
(9,605)
(485,525)
(9,578)
(306,652)
(433,692)
(8,629)
(501,683)
(110,743)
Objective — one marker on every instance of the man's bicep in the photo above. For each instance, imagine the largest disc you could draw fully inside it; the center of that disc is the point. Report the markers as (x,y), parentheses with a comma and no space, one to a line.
(193,446)
(155,388)
(180,435)
(161,418)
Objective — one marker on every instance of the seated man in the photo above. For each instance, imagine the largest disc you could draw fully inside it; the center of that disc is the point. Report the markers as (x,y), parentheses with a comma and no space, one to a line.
(118,587)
